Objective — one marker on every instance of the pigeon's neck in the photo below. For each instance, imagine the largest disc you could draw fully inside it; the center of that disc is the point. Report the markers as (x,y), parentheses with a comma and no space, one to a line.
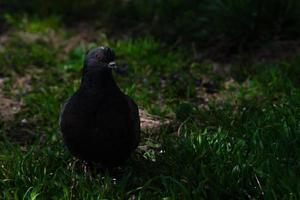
(102,80)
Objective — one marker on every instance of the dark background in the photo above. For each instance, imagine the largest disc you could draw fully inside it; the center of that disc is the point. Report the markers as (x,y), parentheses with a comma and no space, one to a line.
(217,26)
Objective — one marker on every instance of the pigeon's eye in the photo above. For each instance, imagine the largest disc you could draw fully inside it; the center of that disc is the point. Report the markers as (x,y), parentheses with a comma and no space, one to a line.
(99,56)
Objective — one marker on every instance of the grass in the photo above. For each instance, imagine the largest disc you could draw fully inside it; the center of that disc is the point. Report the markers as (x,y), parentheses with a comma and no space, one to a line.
(241,144)
(230,26)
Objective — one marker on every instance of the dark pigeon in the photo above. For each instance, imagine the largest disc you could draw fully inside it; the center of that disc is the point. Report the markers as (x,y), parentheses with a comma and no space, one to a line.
(99,123)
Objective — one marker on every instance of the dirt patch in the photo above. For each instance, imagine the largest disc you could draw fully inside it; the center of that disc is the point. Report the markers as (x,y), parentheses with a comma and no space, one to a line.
(8,108)
(22,85)
(153,123)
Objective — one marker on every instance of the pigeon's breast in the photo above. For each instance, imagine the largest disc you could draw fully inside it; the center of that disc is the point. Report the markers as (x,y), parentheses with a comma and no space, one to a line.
(86,115)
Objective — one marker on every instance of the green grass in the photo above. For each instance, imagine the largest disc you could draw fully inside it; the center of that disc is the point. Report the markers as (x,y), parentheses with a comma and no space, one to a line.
(243,144)
(230,26)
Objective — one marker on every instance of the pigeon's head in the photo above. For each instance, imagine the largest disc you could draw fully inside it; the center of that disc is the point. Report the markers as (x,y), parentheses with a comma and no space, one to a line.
(100,58)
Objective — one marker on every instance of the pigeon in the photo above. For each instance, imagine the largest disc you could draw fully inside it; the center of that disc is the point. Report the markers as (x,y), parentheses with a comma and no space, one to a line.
(99,123)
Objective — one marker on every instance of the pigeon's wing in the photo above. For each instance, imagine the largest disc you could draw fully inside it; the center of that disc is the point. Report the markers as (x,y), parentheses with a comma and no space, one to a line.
(62,110)
(135,118)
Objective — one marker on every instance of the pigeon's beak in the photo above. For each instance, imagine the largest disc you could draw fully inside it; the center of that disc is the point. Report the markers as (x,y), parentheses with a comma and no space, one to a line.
(112,65)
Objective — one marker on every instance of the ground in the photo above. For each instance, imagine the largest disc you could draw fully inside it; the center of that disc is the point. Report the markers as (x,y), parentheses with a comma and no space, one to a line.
(233,129)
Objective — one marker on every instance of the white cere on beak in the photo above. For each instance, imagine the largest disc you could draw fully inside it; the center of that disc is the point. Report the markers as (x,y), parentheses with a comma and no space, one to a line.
(112,65)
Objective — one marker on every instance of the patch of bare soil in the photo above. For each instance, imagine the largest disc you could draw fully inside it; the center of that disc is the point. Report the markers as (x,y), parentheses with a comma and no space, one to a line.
(152,123)
(8,108)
